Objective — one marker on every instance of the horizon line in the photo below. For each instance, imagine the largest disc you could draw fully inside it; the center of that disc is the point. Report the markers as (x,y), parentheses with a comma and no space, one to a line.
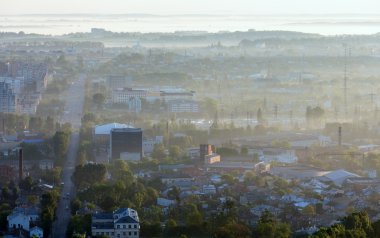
(192,14)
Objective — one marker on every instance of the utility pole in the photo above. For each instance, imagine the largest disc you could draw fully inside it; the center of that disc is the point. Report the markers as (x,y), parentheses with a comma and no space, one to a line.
(275,111)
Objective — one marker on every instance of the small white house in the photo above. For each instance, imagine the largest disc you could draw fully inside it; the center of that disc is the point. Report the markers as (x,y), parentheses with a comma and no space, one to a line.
(20,218)
(36,232)
(18,221)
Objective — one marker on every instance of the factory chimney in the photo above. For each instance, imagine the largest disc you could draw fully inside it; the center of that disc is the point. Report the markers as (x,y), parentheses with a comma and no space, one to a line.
(340,136)
(20,165)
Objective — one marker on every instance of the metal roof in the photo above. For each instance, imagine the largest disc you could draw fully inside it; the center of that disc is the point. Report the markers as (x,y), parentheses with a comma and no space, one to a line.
(106,128)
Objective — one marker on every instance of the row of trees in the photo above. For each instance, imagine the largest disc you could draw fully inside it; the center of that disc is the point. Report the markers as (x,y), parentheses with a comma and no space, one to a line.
(60,145)
(356,225)
(49,203)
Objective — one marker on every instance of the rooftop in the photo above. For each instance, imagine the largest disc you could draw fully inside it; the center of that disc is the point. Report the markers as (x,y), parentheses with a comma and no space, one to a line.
(126,219)
(105,129)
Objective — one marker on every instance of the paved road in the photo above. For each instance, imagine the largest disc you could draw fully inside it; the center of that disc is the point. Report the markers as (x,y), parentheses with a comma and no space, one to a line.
(74,98)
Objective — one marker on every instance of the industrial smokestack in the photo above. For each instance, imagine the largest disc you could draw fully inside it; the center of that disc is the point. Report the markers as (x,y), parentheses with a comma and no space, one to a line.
(20,165)
(340,136)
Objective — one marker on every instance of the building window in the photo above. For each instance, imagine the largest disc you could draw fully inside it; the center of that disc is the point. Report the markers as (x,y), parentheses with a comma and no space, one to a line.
(135,233)
(118,226)
(135,226)
(124,233)
(130,233)
(129,226)
(124,226)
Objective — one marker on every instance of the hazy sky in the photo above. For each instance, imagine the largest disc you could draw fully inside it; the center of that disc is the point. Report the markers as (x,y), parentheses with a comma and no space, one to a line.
(190,6)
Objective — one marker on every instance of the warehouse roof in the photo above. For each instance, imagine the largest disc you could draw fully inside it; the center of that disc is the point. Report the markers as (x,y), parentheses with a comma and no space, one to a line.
(106,128)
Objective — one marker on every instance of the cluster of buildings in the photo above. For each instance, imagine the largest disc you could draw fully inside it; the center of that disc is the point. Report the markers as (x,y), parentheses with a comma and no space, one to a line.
(21,85)
(329,194)
(11,163)
(177,100)
(122,141)
(23,221)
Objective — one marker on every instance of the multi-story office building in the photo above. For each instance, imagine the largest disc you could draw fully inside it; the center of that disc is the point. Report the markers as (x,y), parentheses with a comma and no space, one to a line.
(178,106)
(126,144)
(123,95)
(21,86)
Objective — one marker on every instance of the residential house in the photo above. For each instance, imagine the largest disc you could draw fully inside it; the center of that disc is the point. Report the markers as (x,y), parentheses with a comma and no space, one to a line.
(22,218)
(122,223)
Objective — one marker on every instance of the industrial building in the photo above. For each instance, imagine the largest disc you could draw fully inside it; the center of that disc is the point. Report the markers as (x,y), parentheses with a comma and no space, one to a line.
(126,144)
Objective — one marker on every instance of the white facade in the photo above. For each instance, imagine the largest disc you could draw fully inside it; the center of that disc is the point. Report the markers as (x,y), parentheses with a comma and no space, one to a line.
(18,221)
(178,106)
(20,218)
(123,95)
(274,154)
(122,223)
(280,155)
(148,144)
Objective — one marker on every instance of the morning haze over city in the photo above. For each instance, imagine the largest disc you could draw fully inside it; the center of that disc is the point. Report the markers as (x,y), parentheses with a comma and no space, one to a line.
(174,118)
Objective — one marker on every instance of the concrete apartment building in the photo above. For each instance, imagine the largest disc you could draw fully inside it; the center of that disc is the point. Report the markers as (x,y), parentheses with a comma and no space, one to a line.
(21,85)
(180,106)
(8,98)
(124,95)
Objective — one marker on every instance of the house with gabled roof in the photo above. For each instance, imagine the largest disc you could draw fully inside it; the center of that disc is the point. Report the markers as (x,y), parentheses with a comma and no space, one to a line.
(121,223)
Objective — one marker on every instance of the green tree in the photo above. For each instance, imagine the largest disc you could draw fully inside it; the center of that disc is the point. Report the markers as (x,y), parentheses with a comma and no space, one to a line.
(26,184)
(269,227)
(89,174)
(233,230)
(99,99)
(309,210)
(244,150)
(60,143)
(79,225)
(194,218)
(159,151)
(5,210)
(174,193)
(49,125)
(210,106)
(175,151)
